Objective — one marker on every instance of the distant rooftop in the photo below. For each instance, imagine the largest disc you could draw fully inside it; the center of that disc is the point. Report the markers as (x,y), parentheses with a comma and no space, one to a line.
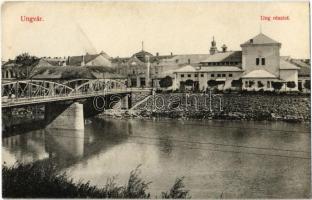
(260,39)
(228,56)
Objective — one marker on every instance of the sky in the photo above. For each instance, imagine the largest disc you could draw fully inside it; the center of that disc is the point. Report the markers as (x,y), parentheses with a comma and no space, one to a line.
(118,28)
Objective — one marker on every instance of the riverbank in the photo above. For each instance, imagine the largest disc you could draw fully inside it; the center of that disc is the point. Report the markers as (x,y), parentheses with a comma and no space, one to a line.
(257,107)
(41,180)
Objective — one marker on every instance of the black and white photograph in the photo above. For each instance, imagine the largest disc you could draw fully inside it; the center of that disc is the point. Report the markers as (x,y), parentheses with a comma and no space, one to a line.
(156,99)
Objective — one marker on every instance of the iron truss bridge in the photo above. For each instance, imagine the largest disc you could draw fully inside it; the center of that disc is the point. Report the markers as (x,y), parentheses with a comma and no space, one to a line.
(26,92)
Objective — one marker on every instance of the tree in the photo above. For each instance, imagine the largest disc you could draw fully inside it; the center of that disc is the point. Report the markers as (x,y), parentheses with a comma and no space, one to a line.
(165,82)
(25,59)
(277,85)
(25,64)
(237,83)
(291,84)
(307,84)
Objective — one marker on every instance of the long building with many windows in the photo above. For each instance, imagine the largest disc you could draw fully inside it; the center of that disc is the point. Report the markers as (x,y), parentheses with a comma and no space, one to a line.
(257,66)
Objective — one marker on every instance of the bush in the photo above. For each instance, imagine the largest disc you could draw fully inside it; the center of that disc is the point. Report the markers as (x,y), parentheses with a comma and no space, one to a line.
(42,180)
(291,84)
(212,83)
(165,82)
(189,82)
(237,83)
(177,191)
(307,84)
(260,84)
(277,85)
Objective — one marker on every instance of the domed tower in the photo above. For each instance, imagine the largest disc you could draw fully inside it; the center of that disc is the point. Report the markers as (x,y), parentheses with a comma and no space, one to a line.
(213,47)
(142,55)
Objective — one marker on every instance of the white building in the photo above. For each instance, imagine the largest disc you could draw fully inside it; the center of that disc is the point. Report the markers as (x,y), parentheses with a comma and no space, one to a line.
(257,65)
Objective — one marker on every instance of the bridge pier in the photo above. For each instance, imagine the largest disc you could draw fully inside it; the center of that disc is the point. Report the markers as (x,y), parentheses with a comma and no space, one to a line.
(64,116)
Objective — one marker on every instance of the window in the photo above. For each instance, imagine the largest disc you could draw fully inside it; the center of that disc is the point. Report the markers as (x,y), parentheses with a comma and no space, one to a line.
(133,82)
(223,75)
(189,61)
(257,61)
(263,61)
(182,75)
(177,60)
(268,84)
(212,75)
(201,75)
(189,75)
(230,75)
(219,75)
(246,83)
(195,75)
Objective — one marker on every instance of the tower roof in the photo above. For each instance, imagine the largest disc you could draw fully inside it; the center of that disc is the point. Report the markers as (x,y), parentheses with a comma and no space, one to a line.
(260,39)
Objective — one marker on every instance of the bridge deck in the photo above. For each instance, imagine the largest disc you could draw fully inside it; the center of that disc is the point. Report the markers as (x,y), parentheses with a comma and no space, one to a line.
(15,102)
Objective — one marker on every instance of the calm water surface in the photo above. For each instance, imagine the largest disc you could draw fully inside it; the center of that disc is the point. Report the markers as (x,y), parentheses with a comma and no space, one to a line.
(217,158)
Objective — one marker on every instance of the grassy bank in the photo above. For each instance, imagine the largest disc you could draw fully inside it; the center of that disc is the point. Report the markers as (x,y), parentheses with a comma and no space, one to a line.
(42,180)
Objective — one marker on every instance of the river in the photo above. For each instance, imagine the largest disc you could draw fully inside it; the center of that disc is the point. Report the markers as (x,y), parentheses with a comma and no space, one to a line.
(217,158)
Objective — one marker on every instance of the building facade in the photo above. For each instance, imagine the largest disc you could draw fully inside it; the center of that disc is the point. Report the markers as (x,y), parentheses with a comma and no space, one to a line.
(256,66)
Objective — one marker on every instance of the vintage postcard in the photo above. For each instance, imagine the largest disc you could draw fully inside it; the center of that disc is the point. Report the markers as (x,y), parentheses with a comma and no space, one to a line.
(177,99)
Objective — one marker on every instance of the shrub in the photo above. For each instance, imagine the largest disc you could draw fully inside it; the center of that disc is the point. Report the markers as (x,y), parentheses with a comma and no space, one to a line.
(42,180)
(251,83)
(260,84)
(212,83)
(237,83)
(165,82)
(177,191)
(277,85)
(291,84)
(307,84)
(189,82)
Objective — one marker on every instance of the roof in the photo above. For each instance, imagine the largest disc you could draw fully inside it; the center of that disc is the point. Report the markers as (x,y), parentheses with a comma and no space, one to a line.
(287,65)
(184,58)
(304,71)
(189,69)
(221,69)
(302,64)
(70,72)
(134,61)
(228,56)
(142,55)
(76,60)
(260,73)
(260,39)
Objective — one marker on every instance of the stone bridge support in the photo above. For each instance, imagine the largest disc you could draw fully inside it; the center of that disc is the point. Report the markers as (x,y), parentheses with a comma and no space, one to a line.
(64,115)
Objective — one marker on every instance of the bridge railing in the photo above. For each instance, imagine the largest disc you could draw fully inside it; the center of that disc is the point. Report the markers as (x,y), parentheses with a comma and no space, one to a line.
(40,90)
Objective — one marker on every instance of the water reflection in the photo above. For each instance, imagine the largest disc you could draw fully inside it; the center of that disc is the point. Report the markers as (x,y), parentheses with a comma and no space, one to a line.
(65,147)
(217,158)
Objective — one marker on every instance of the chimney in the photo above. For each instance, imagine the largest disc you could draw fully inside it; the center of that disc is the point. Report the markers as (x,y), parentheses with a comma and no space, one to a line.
(171,54)
(251,40)
(157,54)
(224,48)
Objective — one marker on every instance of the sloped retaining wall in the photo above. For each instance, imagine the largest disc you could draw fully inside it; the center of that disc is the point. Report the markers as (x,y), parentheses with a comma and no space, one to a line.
(228,106)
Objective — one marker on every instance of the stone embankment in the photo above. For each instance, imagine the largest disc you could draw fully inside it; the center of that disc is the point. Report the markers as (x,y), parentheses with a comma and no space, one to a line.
(283,107)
